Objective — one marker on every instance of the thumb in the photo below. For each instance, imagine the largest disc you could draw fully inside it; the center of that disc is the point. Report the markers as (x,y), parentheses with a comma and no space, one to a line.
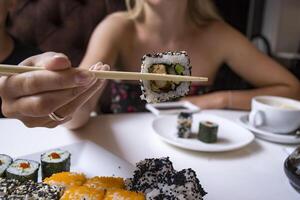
(51,61)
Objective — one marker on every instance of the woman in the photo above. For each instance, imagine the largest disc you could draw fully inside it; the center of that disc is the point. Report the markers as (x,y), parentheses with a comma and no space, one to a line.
(121,40)
(11,50)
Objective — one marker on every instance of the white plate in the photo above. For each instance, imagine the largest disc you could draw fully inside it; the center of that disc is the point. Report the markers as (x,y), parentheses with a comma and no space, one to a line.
(92,160)
(265,135)
(230,135)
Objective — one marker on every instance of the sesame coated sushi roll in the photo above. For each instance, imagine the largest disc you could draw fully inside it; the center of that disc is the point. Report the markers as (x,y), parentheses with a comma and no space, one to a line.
(7,186)
(40,191)
(173,63)
(184,125)
(5,161)
(23,170)
(55,161)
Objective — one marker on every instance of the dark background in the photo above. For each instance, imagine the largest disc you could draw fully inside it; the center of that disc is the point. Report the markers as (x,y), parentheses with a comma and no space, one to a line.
(65,26)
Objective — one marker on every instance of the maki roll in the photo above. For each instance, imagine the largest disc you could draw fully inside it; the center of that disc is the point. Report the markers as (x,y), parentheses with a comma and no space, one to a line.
(55,161)
(5,161)
(23,170)
(184,125)
(208,132)
(174,63)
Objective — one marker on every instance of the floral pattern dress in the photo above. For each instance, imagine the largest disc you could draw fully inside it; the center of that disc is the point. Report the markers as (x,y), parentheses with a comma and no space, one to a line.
(125,97)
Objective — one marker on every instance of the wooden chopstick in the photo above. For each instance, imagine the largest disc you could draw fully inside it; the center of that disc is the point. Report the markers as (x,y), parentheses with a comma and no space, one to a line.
(7,70)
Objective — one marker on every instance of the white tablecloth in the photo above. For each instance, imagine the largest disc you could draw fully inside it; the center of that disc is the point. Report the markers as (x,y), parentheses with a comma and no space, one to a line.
(254,172)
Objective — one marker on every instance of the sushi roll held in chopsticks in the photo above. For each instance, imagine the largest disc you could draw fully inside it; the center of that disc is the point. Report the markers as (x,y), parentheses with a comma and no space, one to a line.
(23,170)
(5,161)
(173,63)
(55,161)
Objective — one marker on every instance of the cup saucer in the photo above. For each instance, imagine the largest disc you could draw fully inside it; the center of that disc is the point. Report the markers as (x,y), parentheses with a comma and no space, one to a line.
(269,136)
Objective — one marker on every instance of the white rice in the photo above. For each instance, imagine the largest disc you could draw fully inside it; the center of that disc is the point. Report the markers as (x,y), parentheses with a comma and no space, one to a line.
(63,156)
(15,168)
(5,161)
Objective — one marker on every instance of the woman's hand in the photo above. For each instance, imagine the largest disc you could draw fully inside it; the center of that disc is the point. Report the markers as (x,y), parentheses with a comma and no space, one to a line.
(32,96)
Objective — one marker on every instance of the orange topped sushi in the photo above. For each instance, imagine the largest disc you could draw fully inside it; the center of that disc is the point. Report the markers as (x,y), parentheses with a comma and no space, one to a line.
(83,192)
(66,179)
(103,183)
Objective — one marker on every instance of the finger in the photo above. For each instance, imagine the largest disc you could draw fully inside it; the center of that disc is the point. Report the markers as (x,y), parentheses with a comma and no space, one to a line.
(32,122)
(70,108)
(50,60)
(2,85)
(35,82)
(99,66)
(42,104)
(96,66)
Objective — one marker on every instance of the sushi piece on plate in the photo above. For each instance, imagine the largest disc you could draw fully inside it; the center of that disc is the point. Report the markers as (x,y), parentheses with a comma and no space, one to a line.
(55,161)
(103,183)
(173,63)
(66,179)
(184,124)
(7,186)
(83,193)
(208,132)
(23,170)
(5,161)
(119,194)
(40,191)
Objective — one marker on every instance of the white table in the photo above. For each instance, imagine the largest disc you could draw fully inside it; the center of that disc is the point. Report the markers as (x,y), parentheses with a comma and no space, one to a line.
(252,173)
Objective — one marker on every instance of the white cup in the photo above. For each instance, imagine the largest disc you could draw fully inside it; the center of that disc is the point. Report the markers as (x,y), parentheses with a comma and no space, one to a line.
(275,114)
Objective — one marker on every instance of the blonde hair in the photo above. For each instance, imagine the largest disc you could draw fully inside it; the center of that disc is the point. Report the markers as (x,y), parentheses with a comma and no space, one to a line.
(199,10)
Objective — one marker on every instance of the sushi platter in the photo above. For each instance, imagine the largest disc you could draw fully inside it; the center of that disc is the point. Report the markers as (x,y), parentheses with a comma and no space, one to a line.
(86,171)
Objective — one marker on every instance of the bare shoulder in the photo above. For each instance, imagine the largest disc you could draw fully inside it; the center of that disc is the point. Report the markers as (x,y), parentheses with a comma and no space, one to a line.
(116,24)
(224,33)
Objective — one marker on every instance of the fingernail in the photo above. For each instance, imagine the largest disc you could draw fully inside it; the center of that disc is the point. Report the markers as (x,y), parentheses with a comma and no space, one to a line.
(92,68)
(96,66)
(59,56)
(83,77)
(106,67)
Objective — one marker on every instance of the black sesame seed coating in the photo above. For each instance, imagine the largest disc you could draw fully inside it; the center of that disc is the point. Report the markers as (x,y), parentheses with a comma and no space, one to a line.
(7,186)
(11,189)
(160,55)
(185,115)
(38,191)
(159,181)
